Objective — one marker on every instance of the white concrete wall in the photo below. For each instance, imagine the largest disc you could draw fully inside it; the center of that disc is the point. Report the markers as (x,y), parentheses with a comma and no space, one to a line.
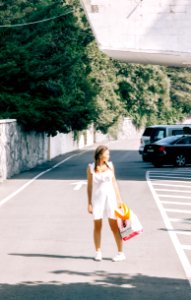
(60,144)
(63,143)
(131,29)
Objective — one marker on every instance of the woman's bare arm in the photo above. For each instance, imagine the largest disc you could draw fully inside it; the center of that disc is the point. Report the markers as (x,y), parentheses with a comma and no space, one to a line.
(89,189)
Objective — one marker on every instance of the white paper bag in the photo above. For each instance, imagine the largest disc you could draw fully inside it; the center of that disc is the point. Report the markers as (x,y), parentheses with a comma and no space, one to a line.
(129,228)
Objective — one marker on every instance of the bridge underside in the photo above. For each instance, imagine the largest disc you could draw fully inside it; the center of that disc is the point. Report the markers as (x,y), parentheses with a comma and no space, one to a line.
(149,57)
(142,31)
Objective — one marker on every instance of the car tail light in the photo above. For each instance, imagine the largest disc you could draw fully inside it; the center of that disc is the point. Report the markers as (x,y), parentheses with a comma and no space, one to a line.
(161,149)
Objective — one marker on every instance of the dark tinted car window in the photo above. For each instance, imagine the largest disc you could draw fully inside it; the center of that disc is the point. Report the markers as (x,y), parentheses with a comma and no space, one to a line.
(148,131)
(185,141)
(177,131)
(158,134)
(169,140)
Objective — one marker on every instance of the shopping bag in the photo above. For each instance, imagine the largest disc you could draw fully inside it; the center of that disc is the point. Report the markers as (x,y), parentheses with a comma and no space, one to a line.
(130,226)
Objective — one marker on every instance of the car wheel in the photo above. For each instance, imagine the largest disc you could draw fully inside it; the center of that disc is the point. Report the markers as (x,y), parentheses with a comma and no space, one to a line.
(180,160)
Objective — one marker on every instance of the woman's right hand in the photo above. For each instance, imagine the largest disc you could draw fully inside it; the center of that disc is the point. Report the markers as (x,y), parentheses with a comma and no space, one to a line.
(90,209)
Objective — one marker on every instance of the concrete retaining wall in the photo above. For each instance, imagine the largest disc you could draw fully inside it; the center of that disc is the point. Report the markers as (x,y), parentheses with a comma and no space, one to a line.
(20,151)
(63,143)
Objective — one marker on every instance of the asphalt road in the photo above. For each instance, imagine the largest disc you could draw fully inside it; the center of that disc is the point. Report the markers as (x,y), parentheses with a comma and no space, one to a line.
(46,246)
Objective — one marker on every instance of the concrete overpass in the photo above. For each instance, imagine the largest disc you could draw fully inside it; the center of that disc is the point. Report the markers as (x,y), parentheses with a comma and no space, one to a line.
(142,31)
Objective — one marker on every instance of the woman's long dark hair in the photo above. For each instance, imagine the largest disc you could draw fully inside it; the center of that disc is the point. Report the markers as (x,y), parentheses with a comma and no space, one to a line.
(98,153)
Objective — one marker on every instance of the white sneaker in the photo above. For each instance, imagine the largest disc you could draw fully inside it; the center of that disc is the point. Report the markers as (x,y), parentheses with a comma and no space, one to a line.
(119,257)
(98,256)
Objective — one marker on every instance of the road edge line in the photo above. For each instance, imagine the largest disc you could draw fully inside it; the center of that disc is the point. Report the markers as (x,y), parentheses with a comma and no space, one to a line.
(182,256)
(6,199)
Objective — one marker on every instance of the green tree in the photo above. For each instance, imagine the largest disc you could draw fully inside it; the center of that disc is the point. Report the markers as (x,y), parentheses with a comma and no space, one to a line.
(180,92)
(44,68)
(103,76)
(145,91)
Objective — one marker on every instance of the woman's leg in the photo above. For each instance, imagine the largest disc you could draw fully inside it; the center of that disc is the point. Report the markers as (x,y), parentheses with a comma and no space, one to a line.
(115,230)
(97,234)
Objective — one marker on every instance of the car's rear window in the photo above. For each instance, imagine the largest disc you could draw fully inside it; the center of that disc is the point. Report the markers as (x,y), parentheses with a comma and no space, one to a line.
(147,131)
(169,140)
(177,131)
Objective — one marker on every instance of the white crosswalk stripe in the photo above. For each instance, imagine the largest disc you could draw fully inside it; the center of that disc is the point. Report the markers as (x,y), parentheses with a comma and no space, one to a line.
(175,203)
(172,193)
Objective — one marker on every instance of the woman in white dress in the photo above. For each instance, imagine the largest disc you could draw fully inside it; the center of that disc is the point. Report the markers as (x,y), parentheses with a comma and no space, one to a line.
(103,199)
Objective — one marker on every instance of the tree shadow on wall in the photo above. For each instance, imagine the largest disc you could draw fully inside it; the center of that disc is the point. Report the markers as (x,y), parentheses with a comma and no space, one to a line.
(106,286)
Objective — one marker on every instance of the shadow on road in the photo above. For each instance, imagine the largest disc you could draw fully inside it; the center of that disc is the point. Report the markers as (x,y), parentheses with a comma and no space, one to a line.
(128,166)
(107,286)
(54,256)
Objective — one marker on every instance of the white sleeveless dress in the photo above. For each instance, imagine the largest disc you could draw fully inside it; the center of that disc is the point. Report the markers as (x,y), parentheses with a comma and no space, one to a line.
(104,200)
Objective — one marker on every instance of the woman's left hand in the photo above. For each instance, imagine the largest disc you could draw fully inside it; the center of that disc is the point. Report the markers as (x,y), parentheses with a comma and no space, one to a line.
(90,209)
(119,204)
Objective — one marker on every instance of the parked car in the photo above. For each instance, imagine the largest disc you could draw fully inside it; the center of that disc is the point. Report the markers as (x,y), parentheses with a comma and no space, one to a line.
(155,133)
(174,150)
(145,138)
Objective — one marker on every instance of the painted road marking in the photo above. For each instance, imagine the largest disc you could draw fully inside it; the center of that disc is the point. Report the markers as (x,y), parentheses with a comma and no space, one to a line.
(170,173)
(175,196)
(157,178)
(167,184)
(175,203)
(170,190)
(183,232)
(174,181)
(78,185)
(6,199)
(178,210)
(186,247)
(180,220)
(173,177)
